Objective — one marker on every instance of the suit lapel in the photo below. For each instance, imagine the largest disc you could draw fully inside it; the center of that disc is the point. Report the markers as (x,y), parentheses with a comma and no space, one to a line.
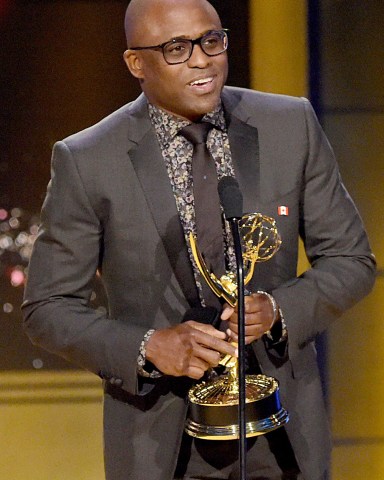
(146,158)
(244,144)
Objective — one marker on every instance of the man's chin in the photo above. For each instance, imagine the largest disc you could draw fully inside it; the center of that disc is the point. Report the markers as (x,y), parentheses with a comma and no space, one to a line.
(203,106)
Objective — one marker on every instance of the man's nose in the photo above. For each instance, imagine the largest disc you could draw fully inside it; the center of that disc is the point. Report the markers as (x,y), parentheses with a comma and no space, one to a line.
(198,58)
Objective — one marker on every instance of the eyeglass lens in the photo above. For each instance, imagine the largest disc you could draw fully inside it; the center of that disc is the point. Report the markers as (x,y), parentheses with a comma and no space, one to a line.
(212,43)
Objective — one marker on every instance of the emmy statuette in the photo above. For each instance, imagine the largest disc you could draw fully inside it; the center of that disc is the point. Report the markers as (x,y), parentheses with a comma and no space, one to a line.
(213,405)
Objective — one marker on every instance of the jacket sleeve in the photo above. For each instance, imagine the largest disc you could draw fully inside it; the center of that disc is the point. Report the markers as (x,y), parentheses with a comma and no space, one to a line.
(342,268)
(65,258)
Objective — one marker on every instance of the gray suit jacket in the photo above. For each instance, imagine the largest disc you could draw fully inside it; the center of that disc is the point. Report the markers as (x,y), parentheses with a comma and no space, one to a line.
(109,206)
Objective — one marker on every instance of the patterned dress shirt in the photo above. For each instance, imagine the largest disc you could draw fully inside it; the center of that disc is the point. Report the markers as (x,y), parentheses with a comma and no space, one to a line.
(177,153)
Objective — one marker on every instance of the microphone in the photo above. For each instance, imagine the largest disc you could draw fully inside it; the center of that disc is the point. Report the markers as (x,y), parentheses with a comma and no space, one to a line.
(207,315)
(231,197)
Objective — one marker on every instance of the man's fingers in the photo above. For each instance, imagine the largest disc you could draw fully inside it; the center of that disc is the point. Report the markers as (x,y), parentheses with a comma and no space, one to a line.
(208,329)
(258,316)
(249,326)
(210,357)
(248,338)
(208,336)
(188,349)
(216,344)
(195,372)
(227,312)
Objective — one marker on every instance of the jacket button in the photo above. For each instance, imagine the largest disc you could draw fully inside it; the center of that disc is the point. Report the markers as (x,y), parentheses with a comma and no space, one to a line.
(118,382)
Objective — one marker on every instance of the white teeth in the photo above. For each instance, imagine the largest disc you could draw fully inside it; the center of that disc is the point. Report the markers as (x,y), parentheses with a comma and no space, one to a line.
(202,81)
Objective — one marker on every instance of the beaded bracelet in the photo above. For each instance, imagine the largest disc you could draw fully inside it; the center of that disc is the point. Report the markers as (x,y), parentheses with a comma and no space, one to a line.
(277,314)
(273,304)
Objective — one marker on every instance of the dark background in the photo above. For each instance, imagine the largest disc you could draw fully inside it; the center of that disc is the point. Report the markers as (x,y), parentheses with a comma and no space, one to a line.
(62,70)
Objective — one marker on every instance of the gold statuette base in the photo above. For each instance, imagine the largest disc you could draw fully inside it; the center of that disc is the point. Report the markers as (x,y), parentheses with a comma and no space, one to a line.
(213,408)
(231,432)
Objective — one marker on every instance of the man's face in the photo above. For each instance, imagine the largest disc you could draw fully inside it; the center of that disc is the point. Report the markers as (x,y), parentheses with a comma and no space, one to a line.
(190,89)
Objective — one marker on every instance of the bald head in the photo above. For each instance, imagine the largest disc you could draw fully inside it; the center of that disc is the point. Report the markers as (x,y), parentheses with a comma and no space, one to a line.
(187,89)
(145,18)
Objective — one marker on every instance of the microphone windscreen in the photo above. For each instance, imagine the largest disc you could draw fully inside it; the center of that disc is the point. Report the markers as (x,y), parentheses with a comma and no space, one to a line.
(231,197)
(207,315)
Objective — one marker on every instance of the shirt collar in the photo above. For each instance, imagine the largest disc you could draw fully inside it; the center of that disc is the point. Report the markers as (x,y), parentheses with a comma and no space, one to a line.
(167,126)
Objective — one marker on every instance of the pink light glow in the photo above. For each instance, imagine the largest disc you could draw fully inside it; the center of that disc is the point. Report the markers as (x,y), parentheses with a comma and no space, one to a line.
(17,278)
(3,213)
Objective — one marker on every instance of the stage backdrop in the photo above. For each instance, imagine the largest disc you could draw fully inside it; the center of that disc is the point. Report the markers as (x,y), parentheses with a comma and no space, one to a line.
(62,70)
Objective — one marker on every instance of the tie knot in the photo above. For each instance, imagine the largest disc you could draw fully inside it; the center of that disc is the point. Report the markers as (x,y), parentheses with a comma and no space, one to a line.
(196,132)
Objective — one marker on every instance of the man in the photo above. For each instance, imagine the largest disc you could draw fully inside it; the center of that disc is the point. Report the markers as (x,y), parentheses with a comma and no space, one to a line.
(120,200)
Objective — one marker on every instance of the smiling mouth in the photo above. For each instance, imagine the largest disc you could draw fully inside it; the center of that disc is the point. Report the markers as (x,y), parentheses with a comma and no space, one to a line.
(201,82)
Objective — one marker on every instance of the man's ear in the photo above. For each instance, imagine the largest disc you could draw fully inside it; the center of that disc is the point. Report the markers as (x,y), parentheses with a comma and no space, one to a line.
(134,63)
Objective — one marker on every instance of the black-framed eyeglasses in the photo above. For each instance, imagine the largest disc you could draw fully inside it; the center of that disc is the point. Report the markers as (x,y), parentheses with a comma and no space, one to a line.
(179,50)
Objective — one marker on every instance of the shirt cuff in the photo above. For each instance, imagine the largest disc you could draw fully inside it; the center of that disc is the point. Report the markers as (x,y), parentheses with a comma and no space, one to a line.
(144,368)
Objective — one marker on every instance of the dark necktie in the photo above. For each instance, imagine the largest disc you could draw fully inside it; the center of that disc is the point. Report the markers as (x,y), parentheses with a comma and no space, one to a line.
(209,227)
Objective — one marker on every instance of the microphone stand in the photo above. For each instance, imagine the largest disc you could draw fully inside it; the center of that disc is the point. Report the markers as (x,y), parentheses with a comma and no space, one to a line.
(241,343)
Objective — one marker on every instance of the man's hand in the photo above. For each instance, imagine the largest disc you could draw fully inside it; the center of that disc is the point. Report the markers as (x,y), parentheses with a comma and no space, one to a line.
(258,318)
(187,349)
